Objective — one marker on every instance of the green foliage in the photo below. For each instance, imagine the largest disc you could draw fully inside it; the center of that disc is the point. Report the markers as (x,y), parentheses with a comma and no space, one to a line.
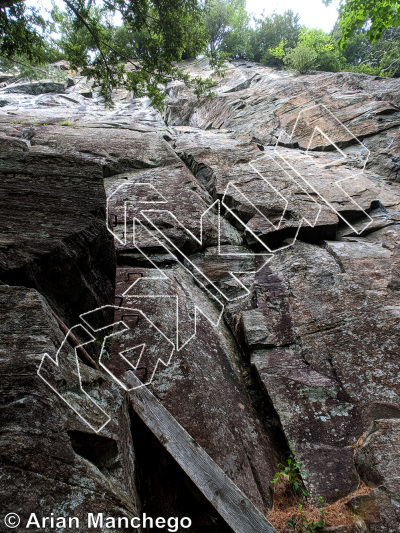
(374,15)
(270,32)
(158,34)
(316,39)
(65,123)
(279,51)
(291,474)
(143,54)
(383,54)
(328,56)
(273,57)
(20,31)
(381,58)
(366,69)
(302,59)
(126,38)
(301,523)
(227,25)
(24,69)
(330,61)
(106,349)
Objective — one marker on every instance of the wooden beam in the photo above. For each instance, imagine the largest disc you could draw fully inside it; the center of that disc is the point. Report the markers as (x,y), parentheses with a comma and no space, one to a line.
(226,498)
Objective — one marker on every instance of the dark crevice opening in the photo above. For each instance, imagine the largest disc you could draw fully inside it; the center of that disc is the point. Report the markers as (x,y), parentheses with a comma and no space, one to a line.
(164,488)
(101,451)
(257,392)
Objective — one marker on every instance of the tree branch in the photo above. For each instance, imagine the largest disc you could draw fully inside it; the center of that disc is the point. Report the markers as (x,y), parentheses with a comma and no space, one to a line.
(9,3)
(92,33)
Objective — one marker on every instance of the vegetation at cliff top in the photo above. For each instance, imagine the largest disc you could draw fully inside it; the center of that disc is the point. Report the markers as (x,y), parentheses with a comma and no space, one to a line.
(142,53)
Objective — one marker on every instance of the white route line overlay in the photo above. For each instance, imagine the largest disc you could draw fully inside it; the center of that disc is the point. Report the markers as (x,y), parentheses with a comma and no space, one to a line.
(344,156)
(267,255)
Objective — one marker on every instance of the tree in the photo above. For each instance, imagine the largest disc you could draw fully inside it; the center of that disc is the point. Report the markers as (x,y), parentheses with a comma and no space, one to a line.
(327,55)
(374,15)
(226,23)
(385,53)
(270,31)
(302,59)
(20,30)
(166,29)
(380,58)
(368,35)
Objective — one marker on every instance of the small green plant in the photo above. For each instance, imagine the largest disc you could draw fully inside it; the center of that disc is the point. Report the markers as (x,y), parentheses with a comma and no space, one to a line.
(106,349)
(65,123)
(290,472)
(301,523)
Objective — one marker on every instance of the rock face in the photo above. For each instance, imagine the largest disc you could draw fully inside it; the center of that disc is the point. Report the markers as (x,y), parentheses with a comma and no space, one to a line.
(55,237)
(325,320)
(39,87)
(49,457)
(291,184)
(378,461)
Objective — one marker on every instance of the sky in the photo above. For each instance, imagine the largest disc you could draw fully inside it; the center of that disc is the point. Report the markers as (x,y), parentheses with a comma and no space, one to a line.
(313,13)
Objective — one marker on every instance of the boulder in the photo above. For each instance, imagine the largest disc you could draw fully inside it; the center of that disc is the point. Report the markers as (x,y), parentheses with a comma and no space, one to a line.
(376,511)
(37,87)
(378,458)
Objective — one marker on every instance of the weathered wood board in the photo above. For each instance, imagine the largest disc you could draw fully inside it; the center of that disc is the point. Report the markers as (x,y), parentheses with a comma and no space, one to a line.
(227,499)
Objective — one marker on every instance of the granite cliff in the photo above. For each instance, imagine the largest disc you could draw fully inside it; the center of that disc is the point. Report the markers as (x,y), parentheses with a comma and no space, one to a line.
(291,183)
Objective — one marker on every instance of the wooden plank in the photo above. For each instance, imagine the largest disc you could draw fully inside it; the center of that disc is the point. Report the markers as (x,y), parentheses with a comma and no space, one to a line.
(226,498)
